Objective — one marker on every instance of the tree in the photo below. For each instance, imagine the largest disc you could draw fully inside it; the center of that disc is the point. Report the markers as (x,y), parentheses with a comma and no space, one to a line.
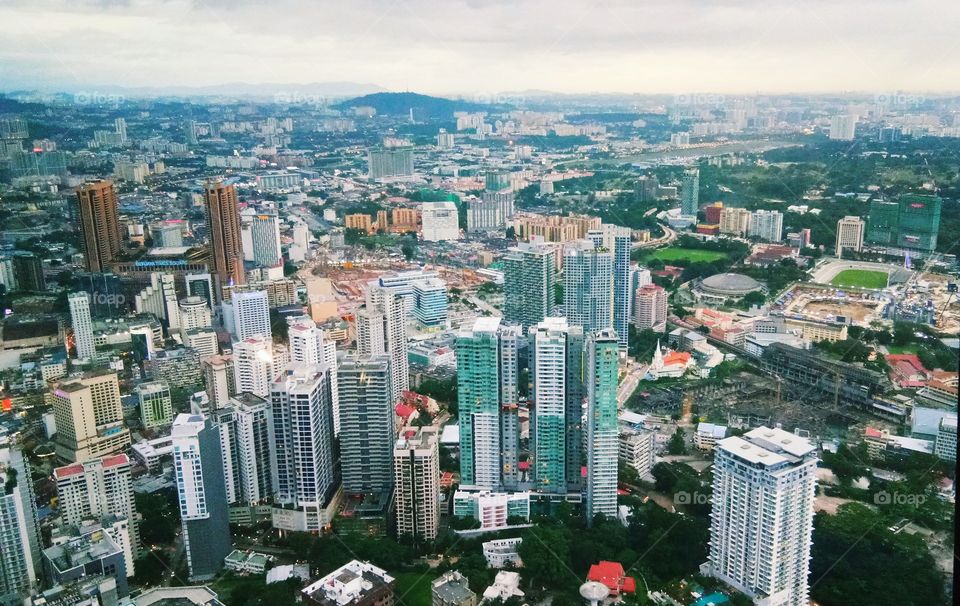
(409,248)
(160,516)
(854,549)
(678,443)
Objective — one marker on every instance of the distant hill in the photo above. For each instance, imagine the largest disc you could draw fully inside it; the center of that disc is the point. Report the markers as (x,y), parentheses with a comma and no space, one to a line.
(424,106)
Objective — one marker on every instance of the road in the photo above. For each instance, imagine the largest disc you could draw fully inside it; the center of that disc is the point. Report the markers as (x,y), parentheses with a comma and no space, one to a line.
(630,383)
(668,236)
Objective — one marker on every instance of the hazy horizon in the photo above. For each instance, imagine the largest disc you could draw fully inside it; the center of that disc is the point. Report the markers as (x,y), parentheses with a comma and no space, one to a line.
(476,47)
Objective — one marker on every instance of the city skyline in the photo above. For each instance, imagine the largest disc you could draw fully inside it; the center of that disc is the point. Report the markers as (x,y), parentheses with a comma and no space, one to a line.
(733,47)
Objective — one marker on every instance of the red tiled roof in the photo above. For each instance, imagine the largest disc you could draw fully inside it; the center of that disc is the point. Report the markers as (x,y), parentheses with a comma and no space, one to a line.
(403,410)
(612,575)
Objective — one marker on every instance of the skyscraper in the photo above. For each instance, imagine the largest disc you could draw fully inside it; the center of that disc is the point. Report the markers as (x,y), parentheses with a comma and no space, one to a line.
(487,369)
(19,533)
(850,232)
(82,325)
(223,221)
(265,236)
(89,417)
(97,488)
(366,423)
(383,330)
(251,314)
(764,484)
(690,192)
(650,308)
(416,467)
(588,286)
(198,466)
(529,277)
(618,240)
(601,424)
(303,443)
(99,224)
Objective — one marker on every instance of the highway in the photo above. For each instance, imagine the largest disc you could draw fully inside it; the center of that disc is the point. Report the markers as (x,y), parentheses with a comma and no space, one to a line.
(668,236)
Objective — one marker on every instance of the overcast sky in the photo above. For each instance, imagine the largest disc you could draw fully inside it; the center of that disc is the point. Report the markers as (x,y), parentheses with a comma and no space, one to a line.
(486,46)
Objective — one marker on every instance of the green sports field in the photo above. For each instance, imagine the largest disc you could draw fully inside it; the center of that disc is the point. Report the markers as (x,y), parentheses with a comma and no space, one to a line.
(687,254)
(860,278)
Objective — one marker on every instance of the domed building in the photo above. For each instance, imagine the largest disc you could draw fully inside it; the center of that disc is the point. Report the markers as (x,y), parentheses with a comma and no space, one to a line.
(720,288)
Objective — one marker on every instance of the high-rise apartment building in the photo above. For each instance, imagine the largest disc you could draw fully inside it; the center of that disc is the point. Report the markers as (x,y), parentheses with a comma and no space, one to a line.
(156,405)
(308,346)
(366,423)
(767,225)
(219,379)
(303,443)
(602,434)
(382,329)
(19,532)
(252,425)
(735,221)
(98,488)
(588,286)
(79,303)
(416,473)
(529,283)
(99,224)
(557,372)
(843,127)
(390,162)
(618,241)
(690,193)
(89,417)
(223,221)
(764,484)
(650,308)
(491,211)
(198,467)
(487,394)
(850,231)
(254,366)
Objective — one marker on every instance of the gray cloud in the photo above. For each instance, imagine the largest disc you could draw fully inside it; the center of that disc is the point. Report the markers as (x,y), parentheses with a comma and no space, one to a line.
(487,45)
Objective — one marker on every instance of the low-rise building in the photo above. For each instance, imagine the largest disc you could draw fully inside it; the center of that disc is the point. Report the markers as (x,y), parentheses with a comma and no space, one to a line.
(501,552)
(355,583)
(452,589)
(707,435)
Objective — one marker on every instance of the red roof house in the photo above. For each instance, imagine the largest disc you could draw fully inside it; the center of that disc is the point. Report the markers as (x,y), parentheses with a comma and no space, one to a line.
(612,575)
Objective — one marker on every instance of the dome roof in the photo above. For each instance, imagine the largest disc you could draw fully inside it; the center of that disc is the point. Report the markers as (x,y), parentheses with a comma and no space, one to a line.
(731,283)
